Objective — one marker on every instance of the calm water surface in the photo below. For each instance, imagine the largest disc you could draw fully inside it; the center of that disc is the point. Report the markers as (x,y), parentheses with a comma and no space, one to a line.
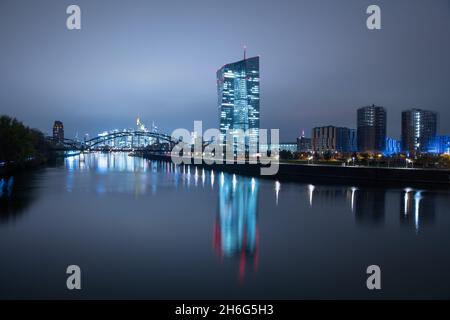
(143,229)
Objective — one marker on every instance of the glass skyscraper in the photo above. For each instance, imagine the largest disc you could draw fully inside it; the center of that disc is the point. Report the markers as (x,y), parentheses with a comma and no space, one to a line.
(238,100)
(419,127)
(371,133)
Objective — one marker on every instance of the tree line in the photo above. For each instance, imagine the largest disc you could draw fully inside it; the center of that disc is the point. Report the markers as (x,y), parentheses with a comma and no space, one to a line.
(20,145)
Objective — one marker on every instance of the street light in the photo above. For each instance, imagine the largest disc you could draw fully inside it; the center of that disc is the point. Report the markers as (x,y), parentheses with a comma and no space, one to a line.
(408,161)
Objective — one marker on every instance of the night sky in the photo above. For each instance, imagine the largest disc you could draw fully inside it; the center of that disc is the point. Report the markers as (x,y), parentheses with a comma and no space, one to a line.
(157,59)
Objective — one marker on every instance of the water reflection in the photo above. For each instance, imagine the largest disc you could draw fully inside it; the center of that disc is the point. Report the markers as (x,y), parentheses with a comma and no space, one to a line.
(417,208)
(326,194)
(104,163)
(277,191)
(15,197)
(6,185)
(236,229)
(103,204)
(369,206)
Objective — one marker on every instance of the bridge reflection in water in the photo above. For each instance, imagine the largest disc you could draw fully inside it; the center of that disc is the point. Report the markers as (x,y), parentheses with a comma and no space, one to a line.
(236,232)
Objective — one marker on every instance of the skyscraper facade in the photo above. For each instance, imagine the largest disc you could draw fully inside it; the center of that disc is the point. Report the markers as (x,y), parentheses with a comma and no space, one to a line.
(419,127)
(238,99)
(346,140)
(58,132)
(334,139)
(371,131)
(440,145)
(324,139)
(304,144)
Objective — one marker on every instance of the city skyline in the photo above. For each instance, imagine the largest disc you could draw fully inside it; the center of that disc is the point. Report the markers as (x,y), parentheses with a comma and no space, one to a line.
(317,67)
(243,152)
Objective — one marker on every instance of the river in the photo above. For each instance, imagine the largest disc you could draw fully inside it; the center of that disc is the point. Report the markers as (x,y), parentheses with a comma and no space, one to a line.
(147,229)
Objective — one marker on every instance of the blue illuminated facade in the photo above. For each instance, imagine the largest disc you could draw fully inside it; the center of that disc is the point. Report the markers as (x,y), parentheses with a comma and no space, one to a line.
(393,146)
(346,140)
(440,145)
(238,99)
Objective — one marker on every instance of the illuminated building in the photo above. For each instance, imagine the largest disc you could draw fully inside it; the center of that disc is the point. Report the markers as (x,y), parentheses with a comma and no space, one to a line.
(440,145)
(238,100)
(346,140)
(324,139)
(392,147)
(371,132)
(58,132)
(304,144)
(334,139)
(292,147)
(419,127)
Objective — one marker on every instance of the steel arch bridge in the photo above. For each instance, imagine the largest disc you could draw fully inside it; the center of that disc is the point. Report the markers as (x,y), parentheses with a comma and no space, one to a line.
(123,140)
(129,139)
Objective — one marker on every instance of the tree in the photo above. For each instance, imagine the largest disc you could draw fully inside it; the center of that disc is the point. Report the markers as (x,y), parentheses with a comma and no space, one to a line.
(444,161)
(286,155)
(20,144)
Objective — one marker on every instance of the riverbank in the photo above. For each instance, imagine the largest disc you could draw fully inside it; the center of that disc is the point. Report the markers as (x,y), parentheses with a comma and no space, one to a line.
(21,147)
(11,169)
(333,174)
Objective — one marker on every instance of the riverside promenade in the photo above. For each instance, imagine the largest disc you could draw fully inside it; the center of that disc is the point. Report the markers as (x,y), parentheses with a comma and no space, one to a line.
(331,173)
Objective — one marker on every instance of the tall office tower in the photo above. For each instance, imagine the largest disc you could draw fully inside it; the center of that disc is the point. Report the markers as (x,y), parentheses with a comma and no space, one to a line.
(238,100)
(419,127)
(58,132)
(371,132)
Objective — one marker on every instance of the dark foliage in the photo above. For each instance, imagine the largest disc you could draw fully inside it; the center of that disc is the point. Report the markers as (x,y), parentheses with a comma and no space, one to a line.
(20,145)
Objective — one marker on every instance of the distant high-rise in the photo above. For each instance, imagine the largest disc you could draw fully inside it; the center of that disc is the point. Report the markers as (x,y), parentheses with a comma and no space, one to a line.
(58,132)
(346,140)
(238,99)
(419,127)
(324,138)
(371,132)
(304,144)
(331,138)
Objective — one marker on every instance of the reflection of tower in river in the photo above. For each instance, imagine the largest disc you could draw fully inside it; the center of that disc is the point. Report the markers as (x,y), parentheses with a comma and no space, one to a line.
(417,208)
(235,230)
